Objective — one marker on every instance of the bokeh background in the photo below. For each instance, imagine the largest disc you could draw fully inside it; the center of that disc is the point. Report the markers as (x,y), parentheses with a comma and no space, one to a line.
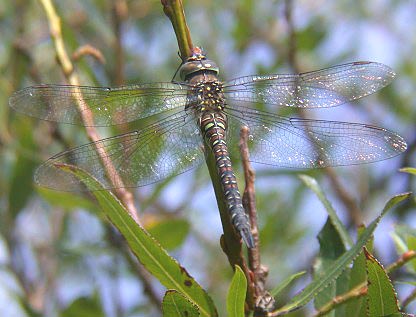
(58,256)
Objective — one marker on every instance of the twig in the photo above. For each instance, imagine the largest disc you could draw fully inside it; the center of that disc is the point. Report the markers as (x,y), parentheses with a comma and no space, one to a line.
(356,292)
(262,298)
(292,45)
(402,260)
(119,13)
(409,299)
(88,49)
(88,119)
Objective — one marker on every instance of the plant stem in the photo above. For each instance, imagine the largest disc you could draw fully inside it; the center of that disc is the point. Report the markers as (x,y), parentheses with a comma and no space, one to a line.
(174,11)
(87,116)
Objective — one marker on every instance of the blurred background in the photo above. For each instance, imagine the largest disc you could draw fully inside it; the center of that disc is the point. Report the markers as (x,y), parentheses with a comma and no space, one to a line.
(59,257)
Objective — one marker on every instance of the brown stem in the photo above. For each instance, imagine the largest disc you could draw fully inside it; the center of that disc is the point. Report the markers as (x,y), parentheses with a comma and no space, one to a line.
(409,299)
(292,45)
(356,292)
(119,12)
(262,299)
(402,260)
(90,50)
(88,119)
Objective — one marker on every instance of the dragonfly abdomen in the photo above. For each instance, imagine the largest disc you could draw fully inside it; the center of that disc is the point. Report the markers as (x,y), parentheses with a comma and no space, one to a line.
(213,125)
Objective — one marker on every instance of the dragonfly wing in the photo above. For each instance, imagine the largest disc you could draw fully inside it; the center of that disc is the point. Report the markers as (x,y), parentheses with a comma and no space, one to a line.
(305,143)
(100,105)
(323,88)
(166,148)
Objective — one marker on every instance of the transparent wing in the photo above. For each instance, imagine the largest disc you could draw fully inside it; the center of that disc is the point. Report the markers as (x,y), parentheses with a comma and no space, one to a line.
(304,143)
(168,147)
(323,88)
(108,106)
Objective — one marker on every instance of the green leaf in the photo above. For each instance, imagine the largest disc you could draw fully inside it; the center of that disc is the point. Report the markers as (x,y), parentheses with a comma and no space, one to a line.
(317,285)
(170,233)
(237,294)
(174,304)
(84,306)
(66,200)
(331,248)
(410,170)
(21,181)
(280,287)
(404,238)
(314,186)
(381,296)
(145,247)
(358,276)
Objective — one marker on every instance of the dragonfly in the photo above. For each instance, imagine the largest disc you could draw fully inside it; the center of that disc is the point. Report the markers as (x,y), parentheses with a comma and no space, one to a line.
(202,114)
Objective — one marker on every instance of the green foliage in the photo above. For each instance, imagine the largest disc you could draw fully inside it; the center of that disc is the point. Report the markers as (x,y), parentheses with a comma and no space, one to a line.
(358,278)
(21,186)
(170,233)
(84,306)
(341,231)
(331,248)
(335,269)
(41,251)
(176,305)
(381,296)
(404,238)
(147,250)
(275,292)
(237,294)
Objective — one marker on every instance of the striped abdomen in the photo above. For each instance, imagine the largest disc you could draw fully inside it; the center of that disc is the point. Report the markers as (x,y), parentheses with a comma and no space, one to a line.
(213,125)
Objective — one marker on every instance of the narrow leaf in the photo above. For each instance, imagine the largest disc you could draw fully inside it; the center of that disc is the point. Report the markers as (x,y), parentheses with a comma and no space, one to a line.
(84,306)
(410,170)
(170,233)
(146,248)
(317,285)
(280,287)
(65,200)
(237,294)
(381,296)
(176,305)
(314,186)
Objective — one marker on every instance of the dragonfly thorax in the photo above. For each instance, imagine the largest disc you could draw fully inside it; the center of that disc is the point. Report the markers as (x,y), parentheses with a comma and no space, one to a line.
(210,96)
(193,66)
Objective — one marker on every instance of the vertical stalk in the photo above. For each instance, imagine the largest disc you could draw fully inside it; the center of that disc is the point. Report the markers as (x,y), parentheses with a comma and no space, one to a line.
(87,116)
(174,11)
(230,241)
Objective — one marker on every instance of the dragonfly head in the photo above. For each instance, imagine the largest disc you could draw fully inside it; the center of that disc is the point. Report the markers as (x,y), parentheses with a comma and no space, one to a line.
(198,62)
